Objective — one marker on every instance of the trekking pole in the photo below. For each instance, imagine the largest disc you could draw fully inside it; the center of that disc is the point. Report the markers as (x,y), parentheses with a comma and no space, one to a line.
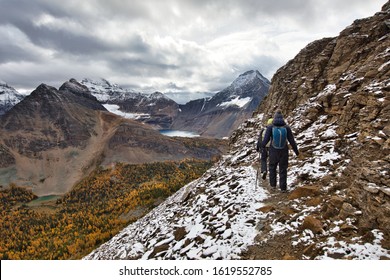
(257,174)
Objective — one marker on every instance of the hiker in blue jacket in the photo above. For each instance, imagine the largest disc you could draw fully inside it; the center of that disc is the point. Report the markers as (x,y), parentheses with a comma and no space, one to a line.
(278,133)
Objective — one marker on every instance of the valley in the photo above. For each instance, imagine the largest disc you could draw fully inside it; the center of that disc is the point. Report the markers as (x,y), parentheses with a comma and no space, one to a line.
(97,208)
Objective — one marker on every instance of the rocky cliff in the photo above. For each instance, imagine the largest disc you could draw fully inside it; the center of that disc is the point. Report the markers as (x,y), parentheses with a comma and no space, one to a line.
(335,96)
(53,138)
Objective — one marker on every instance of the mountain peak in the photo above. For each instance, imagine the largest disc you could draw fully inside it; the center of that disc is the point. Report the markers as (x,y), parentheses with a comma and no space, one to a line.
(72,85)
(158,95)
(248,78)
(9,97)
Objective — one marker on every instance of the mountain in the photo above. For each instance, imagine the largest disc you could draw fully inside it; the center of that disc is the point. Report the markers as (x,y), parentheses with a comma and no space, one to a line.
(219,115)
(154,109)
(53,138)
(213,117)
(9,97)
(335,96)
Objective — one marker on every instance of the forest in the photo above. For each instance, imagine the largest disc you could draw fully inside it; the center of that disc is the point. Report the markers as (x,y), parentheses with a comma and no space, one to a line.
(95,210)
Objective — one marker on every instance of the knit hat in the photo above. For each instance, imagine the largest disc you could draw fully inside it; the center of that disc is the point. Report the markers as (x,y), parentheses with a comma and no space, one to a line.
(278,115)
(278,119)
(270,121)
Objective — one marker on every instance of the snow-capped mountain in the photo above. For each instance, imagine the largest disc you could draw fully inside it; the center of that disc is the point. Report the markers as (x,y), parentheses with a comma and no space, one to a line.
(155,109)
(107,92)
(9,97)
(219,115)
(245,92)
(337,103)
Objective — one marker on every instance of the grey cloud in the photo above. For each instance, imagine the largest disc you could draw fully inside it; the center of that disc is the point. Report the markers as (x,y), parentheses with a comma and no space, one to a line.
(141,66)
(137,57)
(12,53)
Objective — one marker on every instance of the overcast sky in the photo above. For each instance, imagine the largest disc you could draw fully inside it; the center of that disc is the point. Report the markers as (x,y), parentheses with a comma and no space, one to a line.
(164,45)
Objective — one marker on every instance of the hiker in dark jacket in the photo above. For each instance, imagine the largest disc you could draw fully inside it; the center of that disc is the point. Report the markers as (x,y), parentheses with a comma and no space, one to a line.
(278,152)
(263,152)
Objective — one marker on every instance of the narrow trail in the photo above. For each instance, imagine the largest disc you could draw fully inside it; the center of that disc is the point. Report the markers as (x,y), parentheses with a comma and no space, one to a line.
(277,247)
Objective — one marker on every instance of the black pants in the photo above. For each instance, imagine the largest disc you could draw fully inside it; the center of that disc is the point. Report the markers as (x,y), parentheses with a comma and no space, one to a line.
(264,159)
(278,158)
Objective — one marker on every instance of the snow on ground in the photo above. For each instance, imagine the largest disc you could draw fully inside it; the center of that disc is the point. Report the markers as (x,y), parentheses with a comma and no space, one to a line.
(115,110)
(214,217)
(319,137)
(178,133)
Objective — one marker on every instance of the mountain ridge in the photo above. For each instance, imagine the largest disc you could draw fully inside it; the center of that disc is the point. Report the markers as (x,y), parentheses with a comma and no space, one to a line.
(214,117)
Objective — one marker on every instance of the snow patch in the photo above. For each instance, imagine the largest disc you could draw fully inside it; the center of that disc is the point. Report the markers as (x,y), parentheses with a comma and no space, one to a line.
(115,110)
(239,102)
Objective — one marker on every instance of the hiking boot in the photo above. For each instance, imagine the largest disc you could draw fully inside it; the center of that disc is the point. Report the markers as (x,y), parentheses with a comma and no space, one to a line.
(264,175)
(284,191)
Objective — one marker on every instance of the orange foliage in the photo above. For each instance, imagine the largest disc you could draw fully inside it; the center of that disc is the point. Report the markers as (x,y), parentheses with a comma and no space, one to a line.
(91,213)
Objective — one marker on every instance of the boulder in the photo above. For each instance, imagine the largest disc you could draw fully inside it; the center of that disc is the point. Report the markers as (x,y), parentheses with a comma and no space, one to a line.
(312,223)
(304,192)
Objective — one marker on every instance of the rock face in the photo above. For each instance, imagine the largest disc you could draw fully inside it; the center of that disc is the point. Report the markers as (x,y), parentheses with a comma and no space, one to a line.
(53,138)
(220,115)
(9,97)
(335,96)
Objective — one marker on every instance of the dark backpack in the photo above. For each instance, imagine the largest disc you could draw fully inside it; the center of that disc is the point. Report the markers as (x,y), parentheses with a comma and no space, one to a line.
(259,140)
(279,137)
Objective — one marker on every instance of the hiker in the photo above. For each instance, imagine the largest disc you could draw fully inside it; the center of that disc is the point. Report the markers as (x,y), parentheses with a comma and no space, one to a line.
(263,152)
(278,133)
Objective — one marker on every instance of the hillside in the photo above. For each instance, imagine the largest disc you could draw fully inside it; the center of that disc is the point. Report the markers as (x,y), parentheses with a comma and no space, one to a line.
(98,207)
(335,95)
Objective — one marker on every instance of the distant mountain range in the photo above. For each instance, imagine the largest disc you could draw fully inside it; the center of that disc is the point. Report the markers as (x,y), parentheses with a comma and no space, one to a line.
(53,138)
(215,117)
